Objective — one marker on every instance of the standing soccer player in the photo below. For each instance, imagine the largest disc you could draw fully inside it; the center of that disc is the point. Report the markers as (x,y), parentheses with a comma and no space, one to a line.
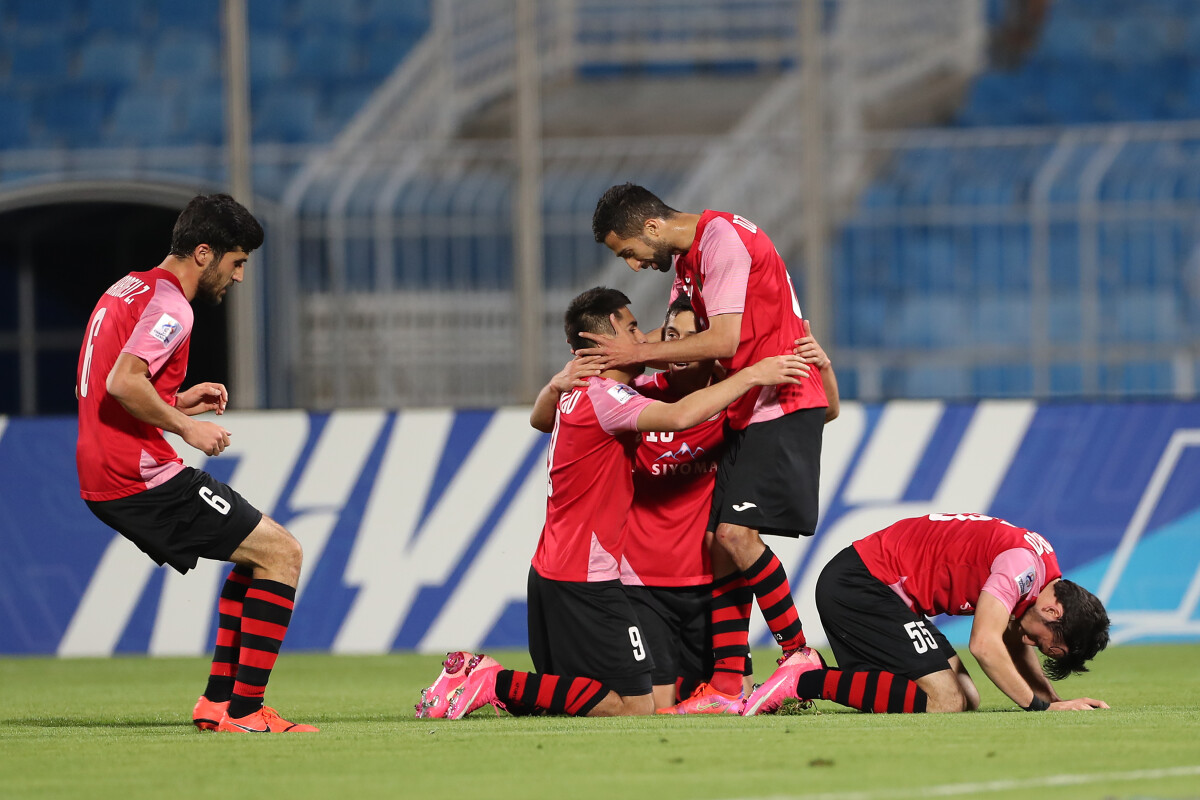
(875,598)
(768,479)
(584,637)
(131,367)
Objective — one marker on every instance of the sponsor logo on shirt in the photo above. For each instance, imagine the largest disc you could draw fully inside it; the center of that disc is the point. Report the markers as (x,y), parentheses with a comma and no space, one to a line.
(622,393)
(684,451)
(1025,581)
(166,329)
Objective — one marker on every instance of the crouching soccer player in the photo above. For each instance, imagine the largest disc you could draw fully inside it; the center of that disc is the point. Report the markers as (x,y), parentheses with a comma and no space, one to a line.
(584,637)
(131,367)
(874,598)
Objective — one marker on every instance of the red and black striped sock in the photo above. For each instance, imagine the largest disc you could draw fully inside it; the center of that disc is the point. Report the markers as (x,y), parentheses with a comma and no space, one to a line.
(878,692)
(770,585)
(266,612)
(553,694)
(732,600)
(229,635)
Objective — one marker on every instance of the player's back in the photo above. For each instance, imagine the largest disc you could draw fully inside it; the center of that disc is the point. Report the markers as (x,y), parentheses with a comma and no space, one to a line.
(146,314)
(941,562)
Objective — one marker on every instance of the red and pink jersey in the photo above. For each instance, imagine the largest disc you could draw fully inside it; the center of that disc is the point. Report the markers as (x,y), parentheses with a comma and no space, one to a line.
(147,315)
(673,479)
(590,482)
(940,563)
(733,268)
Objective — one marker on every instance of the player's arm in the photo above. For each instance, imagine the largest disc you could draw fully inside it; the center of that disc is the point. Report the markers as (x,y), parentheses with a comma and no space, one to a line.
(719,340)
(208,396)
(704,403)
(129,384)
(575,373)
(996,659)
(811,351)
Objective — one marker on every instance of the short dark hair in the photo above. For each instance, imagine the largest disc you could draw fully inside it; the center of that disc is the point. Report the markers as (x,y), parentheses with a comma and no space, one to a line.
(218,221)
(680,304)
(589,312)
(1083,629)
(624,209)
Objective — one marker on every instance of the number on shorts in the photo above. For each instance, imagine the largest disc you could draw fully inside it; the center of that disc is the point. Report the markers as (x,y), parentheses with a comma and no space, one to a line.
(635,639)
(923,640)
(214,500)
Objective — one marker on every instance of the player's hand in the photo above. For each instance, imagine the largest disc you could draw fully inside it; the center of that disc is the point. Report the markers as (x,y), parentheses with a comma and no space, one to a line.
(778,369)
(202,397)
(612,351)
(207,437)
(576,373)
(809,349)
(1078,704)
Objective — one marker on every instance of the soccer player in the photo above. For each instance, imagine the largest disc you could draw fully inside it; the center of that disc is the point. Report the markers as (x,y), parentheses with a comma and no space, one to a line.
(584,637)
(131,368)
(767,481)
(874,598)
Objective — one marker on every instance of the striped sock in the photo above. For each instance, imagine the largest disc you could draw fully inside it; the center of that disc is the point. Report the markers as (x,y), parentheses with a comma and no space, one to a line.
(551,693)
(770,585)
(732,600)
(229,635)
(878,692)
(266,612)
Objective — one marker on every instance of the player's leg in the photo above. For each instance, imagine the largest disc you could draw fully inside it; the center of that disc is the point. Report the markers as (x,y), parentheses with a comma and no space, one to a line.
(731,601)
(211,705)
(770,485)
(882,648)
(660,630)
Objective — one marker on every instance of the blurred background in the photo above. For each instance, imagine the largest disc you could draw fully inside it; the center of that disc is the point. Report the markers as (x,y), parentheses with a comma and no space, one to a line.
(976,199)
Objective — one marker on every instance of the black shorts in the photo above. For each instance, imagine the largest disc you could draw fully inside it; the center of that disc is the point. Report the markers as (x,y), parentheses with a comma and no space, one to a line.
(676,623)
(869,626)
(191,516)
(769,475)
(588,630)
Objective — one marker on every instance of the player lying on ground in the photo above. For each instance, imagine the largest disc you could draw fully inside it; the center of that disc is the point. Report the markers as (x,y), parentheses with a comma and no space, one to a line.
(874,598)
(581,623)
(131,368)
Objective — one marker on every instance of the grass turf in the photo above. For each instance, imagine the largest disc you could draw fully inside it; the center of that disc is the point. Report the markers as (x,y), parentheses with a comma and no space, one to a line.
(121,728)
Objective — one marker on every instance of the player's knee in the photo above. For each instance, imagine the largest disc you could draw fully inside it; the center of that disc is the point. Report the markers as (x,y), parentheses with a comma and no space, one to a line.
(286,554)
(733,537)
(637,706)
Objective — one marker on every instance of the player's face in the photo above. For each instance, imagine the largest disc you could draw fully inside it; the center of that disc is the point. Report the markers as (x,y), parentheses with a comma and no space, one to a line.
(1036,632)
(680,326)
(625,326)
(218,275)
(641,252)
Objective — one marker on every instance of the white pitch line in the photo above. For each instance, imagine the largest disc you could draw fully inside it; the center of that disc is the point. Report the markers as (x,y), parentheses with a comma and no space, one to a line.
(950,789)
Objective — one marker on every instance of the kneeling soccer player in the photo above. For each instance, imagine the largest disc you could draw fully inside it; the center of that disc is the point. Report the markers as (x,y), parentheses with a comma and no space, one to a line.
(584,637)
(874,598)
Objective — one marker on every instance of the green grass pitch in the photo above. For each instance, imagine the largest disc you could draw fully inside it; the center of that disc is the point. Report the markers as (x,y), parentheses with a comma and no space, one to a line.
(120,728)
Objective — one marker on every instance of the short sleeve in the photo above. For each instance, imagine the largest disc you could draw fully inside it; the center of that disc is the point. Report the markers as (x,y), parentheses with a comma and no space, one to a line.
(725,263)
(1015,574)
(165,324)
(617,406)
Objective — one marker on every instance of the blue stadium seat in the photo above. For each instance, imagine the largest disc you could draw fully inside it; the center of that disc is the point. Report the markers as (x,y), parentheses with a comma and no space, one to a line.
(111,61)
(42,14)
(267,15)
(188,56)
(71,116)
(321,55)
(269,57)
(321,14)
(143,117)
(285,114)
(16,117)
(413,15)
(198,16)
(116,16)
(41,60)
(203,116)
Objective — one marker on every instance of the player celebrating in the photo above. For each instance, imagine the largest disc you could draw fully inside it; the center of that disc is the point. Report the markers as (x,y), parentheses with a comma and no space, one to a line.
(767,481)
(874,598)
(131,368)
(580,620)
